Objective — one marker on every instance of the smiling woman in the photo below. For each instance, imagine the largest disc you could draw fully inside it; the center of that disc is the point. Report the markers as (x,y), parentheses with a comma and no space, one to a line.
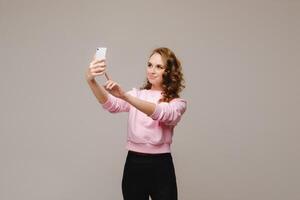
(164,73)
(154,110)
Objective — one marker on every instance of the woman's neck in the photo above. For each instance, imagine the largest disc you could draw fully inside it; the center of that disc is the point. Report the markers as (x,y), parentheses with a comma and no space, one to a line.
(156,88)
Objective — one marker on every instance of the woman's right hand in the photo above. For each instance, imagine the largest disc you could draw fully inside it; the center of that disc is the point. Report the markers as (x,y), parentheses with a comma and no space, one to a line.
(96,68)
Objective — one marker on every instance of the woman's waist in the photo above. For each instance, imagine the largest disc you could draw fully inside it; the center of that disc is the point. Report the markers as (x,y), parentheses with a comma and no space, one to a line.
(148,148)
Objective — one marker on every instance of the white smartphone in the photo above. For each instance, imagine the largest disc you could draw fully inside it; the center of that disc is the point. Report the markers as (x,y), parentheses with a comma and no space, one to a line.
(101,53)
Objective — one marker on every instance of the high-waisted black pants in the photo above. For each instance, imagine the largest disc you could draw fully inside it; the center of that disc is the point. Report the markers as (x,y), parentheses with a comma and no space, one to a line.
(149,175)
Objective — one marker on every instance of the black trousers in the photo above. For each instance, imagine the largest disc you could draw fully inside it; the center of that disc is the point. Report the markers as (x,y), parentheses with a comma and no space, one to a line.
(149,175)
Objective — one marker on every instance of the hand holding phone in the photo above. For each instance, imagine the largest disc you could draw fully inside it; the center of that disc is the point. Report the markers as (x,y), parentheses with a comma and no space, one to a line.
(100,55)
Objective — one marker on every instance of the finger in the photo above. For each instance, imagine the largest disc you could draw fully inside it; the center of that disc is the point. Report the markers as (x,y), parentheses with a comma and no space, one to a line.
(106,83)
(111,86)
(100,65)
(98,69)
(94,61)
(97,62)
(97,74)
(96,66)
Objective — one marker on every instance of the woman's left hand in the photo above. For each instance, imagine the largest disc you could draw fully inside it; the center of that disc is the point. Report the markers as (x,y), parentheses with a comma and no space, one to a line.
(114,88)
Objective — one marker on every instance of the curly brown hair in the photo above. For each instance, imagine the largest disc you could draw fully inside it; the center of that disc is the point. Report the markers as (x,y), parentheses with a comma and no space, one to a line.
(173,81)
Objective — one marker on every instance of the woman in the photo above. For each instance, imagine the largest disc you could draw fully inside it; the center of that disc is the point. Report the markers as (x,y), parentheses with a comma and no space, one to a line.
(154,111)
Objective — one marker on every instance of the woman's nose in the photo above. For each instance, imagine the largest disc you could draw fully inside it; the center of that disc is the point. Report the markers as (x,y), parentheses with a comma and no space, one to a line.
(152,70)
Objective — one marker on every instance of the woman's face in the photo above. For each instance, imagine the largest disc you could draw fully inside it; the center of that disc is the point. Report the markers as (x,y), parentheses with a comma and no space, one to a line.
(155,70)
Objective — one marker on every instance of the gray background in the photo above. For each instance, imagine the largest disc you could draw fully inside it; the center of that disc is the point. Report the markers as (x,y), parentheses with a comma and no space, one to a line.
(239,138)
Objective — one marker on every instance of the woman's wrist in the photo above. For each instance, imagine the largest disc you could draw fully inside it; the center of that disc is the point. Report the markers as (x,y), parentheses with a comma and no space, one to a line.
(125,97)
(90,79)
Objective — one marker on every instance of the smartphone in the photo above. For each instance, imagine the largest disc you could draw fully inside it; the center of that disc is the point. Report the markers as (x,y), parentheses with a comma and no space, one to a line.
(101,53)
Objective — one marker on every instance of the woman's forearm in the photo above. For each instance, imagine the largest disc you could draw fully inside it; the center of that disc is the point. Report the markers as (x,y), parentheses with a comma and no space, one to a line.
(98,90)
(144,106)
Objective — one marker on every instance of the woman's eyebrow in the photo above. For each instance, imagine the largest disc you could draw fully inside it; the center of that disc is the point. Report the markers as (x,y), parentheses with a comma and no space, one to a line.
(152,64)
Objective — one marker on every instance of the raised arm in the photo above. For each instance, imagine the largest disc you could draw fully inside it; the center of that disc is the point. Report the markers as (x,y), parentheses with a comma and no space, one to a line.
(168,113)
(98,90)
(97,68)
(142,105)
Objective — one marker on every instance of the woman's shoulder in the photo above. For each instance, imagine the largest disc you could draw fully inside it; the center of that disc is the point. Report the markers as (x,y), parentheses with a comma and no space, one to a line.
(179,101)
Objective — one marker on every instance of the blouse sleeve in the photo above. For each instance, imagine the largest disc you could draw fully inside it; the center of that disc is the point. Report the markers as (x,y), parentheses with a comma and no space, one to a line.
(114,104)
(169,113)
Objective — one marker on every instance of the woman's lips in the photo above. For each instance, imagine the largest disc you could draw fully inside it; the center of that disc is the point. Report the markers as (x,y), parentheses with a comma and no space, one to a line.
(151,77)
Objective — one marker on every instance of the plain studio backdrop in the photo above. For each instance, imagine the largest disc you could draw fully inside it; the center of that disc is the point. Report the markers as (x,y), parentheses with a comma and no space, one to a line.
(238,140)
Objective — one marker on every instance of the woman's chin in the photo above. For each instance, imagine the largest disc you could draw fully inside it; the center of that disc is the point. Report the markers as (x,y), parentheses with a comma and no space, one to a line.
(153,82)
(150,80)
